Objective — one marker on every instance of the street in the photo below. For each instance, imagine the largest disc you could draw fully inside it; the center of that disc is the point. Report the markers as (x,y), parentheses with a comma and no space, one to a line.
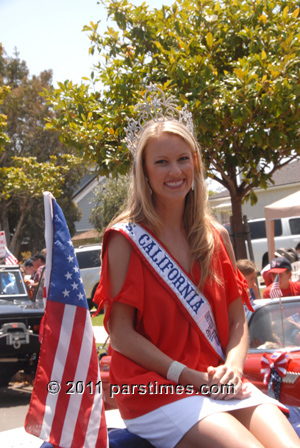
(14,402)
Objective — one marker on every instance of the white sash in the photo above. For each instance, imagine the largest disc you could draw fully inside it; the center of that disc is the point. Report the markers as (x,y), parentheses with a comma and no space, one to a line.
(176,280)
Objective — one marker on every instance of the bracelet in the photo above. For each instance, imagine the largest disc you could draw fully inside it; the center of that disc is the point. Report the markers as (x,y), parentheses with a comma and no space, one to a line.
(174,371)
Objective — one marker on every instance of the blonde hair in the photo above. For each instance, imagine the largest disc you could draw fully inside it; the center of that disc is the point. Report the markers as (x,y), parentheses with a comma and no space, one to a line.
(196,219)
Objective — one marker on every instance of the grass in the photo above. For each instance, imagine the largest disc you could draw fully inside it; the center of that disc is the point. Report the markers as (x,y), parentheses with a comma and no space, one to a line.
(98,320)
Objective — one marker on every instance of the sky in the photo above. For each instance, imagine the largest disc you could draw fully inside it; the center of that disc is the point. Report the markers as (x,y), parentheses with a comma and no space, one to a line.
(48,34)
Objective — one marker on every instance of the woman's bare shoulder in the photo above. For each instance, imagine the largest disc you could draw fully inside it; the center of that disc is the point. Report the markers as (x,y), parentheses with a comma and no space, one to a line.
(226,239)
(119,253)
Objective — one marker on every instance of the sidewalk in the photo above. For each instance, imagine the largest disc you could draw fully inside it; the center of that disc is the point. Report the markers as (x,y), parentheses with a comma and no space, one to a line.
(100,334)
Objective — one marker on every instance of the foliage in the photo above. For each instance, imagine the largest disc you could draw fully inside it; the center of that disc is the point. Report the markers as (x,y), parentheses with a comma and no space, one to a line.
(3,135)
(34,160)
(234,63)
(111,197)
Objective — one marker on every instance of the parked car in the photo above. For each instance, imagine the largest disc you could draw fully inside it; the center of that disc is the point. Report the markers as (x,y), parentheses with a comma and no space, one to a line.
(274,329)
(270,330)
(20,319)
(89,262)
(287,235)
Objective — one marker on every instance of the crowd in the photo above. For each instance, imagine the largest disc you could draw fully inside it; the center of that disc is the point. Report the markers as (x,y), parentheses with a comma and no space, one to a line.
(277,274)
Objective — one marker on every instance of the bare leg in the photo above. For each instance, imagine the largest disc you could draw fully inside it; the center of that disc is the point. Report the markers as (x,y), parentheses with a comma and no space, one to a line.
(220,430)
(254,427)
(269,425)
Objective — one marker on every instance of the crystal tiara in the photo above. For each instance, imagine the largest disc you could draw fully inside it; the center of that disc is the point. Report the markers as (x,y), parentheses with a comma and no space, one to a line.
(155,108)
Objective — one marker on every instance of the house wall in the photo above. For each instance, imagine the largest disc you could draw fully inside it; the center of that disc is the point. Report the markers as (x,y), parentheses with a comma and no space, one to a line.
(86,204)
(221,207)
(85,201)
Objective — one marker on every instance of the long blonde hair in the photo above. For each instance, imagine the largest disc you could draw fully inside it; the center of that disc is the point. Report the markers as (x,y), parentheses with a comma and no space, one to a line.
(196,219)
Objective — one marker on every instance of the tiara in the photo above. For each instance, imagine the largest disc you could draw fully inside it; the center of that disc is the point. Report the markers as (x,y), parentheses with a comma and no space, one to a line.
(158,109)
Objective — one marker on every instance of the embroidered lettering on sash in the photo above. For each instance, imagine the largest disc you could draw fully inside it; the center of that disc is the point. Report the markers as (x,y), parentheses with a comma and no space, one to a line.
(177,281)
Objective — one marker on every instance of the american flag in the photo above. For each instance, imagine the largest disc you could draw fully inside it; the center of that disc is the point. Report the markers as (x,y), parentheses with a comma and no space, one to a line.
(10,258)
(275,290)
(66,407)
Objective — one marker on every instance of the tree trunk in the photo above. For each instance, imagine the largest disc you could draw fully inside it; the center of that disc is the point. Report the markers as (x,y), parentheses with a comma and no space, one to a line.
(4,225)
(238,228)
(17,232)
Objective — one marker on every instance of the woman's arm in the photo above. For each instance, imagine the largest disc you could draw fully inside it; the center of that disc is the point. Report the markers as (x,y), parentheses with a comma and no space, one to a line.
(123,336)
(236,351)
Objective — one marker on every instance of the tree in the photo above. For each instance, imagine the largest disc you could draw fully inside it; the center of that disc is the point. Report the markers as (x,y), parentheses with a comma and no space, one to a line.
(234,63)
(111,197)
(34,160)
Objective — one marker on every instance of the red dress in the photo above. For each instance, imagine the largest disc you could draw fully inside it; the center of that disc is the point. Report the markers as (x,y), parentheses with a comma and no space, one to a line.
(159,319)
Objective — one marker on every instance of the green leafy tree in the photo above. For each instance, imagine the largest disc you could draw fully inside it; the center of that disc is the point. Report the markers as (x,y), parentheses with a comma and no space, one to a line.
(110,199)
(234,63)
(34,160)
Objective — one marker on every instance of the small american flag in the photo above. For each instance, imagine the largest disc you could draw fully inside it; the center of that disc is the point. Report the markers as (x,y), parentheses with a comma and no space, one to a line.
(10,258)
(66,407)
(275,290)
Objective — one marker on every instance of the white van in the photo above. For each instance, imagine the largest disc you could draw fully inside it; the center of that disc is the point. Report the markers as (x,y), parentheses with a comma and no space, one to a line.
(89,262)
(287,235)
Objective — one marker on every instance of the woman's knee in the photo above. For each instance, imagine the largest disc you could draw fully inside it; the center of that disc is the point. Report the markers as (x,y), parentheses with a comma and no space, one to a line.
(219,430)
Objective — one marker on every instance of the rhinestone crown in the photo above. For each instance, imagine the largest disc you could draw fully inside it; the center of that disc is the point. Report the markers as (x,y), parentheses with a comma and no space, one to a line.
(155,108)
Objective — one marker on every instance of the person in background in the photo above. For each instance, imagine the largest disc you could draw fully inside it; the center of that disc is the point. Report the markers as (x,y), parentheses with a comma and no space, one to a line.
(29,268)
(173,307)
(298,249)
(27,281)
(38,261)
(248,270)
(282,267)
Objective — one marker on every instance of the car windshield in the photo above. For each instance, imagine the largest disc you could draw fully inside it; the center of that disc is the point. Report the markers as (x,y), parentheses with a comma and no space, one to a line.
(273,328)
(11,285)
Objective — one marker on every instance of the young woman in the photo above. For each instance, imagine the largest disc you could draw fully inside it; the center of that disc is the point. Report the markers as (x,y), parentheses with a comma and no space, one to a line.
(173,309)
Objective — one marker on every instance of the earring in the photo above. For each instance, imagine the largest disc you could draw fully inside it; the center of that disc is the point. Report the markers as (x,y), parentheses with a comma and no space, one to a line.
(193,185)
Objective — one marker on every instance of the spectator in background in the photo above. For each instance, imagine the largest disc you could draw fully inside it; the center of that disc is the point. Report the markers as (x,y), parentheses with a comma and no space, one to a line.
(29,268)
(27,281)
(298,249)
(248,270)
(283,268)
(38,261)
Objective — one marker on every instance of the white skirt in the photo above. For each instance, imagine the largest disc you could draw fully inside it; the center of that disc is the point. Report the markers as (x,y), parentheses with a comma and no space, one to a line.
(164,427)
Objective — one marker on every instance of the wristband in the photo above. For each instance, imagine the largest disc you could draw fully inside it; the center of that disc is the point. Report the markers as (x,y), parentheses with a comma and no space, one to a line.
(174,371)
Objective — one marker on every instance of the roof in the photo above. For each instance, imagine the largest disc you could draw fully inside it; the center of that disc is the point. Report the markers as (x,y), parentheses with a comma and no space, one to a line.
(288,174)
(90,234)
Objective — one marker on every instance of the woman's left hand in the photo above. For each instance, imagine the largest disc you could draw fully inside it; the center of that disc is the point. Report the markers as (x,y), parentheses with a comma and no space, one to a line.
(225,375)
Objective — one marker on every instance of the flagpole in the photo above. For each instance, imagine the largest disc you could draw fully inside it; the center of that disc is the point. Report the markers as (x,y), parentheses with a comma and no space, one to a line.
(281,311)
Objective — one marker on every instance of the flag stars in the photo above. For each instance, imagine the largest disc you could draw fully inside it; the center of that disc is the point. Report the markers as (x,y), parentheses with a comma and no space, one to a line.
(76,269)
(70,259)
(68,276)
(70,242)
(80,296)
(66,293)
(74,286)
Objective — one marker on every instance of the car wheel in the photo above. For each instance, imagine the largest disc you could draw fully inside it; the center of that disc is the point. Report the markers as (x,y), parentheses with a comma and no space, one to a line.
(91,304)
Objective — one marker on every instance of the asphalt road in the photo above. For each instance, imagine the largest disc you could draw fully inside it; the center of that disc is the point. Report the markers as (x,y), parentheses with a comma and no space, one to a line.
(14,402)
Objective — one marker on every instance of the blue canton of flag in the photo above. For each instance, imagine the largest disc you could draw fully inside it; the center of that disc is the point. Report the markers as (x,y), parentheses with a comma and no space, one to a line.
(66,284)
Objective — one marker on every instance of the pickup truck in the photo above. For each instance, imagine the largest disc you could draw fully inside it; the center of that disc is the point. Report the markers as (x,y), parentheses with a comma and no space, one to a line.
(20,319)
(287,235)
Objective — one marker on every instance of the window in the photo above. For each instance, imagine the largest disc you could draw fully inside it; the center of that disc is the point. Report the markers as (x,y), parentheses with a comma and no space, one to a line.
(295,226)
(258,229)
(89,259)
(266,326)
